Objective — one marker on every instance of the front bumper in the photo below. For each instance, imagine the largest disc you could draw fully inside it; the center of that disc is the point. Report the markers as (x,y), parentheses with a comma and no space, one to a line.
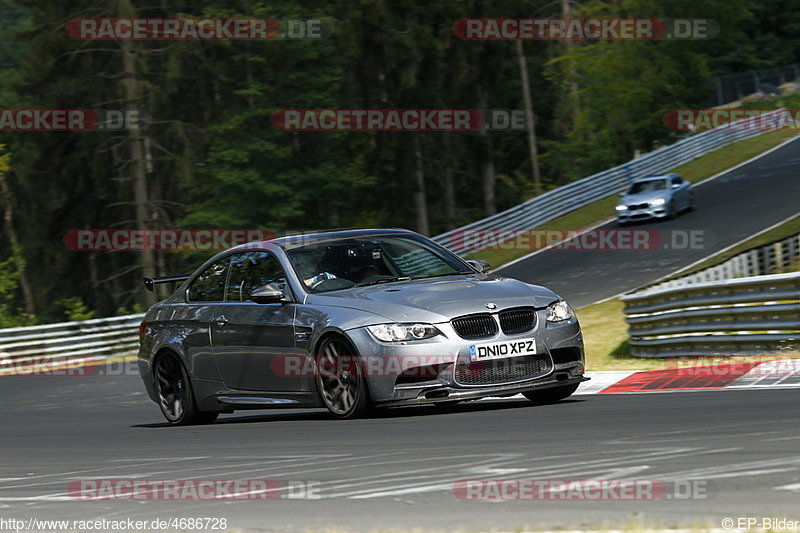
(632,215)
(442,393)
(559,361)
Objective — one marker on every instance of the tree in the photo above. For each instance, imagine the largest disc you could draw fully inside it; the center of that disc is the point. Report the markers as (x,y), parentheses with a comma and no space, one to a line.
(12,270)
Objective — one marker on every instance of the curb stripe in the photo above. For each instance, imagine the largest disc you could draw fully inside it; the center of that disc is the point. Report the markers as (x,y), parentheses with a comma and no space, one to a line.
(778,373)
(704,377)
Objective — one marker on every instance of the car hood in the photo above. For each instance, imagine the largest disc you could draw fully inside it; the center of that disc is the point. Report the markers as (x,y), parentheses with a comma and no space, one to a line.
(437,300)
(644,197)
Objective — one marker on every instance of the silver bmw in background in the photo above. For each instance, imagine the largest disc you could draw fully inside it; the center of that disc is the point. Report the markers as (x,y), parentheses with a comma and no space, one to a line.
(350,320)
(655,197)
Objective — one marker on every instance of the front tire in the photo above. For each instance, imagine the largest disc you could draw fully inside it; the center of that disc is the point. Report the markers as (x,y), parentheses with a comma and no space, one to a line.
(341,387)
(673,211)
(551,395)
(175,395)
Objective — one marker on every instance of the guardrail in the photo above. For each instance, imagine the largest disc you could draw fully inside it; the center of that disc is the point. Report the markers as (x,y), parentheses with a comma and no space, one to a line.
(50,345)
(757,315)
(560,201)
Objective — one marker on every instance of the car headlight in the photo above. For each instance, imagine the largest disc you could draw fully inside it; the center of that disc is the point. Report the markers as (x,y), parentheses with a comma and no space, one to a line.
(622,207)
(559,312)
(658,201)
(402,332)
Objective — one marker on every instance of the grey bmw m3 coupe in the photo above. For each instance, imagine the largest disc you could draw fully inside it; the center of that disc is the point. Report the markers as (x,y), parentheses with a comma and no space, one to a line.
(351,320)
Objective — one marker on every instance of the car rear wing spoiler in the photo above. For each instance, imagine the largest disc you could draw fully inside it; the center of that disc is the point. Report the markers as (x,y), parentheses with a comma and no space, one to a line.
(150,283)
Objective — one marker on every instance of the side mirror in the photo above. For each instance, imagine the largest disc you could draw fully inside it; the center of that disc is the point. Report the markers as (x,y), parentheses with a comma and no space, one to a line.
(267,294)
(479,264)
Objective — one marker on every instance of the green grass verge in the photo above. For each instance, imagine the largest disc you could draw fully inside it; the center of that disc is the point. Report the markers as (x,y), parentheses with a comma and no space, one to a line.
(731,155)
(605,337)
(694,171)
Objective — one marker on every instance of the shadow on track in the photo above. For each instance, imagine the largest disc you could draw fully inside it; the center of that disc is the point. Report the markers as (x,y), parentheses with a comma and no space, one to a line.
(378,414)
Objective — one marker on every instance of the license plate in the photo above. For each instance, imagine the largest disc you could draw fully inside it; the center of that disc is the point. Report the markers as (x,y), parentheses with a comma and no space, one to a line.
(501,350)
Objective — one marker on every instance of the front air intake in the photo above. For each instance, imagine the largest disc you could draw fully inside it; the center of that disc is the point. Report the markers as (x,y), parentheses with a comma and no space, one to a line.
(517,320)
(479,326)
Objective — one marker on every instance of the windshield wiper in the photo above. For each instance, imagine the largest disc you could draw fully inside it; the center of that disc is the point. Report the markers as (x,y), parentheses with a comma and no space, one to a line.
(383,280)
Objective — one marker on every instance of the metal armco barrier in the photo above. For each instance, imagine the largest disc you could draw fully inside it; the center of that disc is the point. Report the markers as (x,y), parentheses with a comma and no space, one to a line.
(52,344)
(558,202)
(755,315)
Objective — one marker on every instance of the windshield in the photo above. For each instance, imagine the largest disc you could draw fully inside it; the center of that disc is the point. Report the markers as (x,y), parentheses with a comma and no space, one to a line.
(354,262)
(648,186)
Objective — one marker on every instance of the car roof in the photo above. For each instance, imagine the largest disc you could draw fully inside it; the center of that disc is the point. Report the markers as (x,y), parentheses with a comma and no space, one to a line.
(289,242)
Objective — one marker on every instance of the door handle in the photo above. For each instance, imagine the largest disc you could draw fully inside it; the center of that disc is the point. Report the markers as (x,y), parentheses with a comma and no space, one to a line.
(221,320)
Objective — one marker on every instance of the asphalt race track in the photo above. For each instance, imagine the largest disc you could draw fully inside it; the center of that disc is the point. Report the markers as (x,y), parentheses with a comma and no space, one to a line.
(398,468)
(717,454)
(729,208)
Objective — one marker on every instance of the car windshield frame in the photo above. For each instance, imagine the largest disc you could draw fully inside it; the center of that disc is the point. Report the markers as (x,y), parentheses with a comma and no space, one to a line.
(650,189)
(374,243)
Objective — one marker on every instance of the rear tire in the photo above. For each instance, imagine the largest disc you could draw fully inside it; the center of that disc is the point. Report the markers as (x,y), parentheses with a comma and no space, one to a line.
(341,387)
(175,395)
(551,395)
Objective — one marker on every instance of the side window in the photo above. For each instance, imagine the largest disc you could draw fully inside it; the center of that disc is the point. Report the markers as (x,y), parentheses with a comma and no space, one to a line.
(210,285)
(252,270)
(677,181)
